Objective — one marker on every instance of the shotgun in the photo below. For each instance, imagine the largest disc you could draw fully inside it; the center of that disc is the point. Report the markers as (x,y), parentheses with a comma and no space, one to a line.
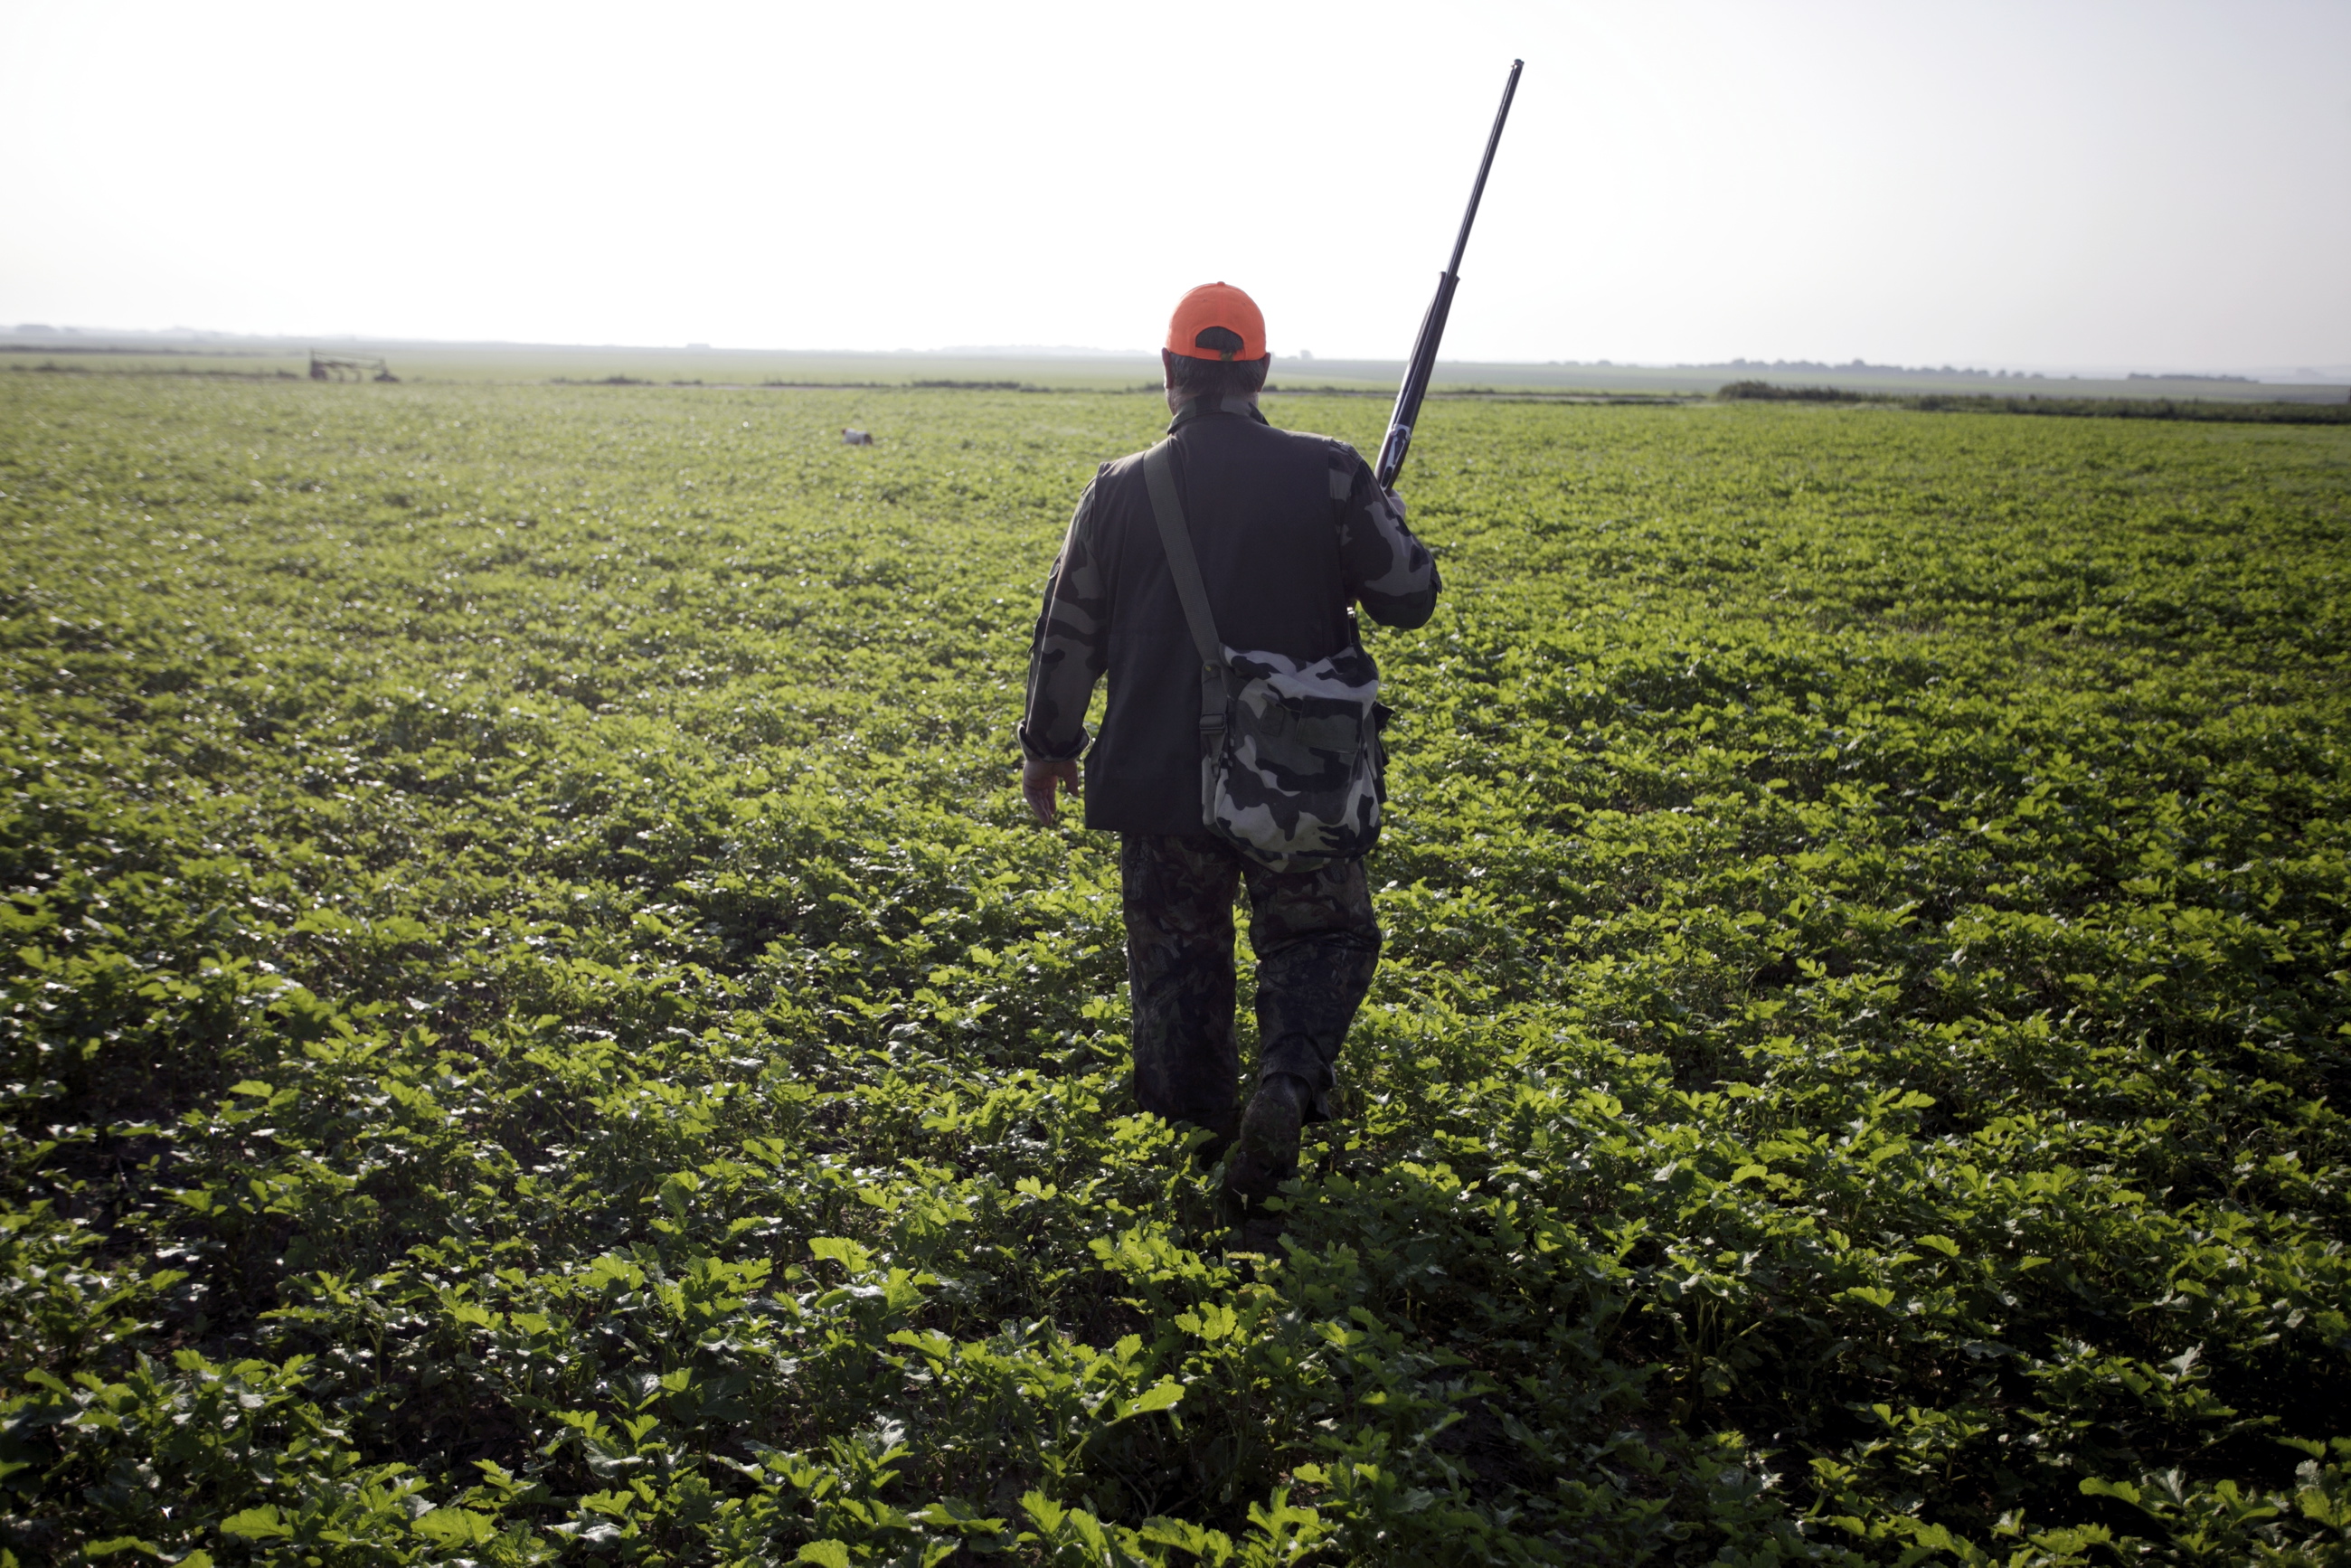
(1432,325)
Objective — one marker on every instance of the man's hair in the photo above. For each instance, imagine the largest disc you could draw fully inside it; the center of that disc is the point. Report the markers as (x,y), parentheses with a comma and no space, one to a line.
(1221,377)
(1218,378)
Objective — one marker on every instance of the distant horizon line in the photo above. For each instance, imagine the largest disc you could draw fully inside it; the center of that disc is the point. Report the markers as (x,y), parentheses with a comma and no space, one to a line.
(293,342)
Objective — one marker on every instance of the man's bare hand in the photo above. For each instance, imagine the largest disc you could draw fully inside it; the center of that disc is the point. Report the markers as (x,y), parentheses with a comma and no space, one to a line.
(1037,786)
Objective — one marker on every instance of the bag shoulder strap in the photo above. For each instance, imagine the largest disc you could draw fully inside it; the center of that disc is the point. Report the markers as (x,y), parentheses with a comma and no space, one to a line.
(1176,538)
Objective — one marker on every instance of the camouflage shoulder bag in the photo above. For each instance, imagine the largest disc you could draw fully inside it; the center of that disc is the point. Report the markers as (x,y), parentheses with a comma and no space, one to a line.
(1291,762)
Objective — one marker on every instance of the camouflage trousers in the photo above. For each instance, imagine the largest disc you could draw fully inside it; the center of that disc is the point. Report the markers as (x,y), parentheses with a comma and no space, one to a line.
(1316,944)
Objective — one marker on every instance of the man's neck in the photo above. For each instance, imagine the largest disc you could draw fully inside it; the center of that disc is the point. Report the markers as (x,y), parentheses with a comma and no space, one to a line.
(1192,408)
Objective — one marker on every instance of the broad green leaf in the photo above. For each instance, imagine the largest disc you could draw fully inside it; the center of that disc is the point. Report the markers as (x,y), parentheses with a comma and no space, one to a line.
(455,1527)
(260,1524)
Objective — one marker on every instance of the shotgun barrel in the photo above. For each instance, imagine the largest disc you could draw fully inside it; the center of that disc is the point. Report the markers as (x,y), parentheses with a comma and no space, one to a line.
(1432,325)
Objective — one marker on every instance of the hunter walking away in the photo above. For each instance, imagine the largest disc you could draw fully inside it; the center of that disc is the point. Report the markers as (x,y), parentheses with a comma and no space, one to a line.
(1222,769)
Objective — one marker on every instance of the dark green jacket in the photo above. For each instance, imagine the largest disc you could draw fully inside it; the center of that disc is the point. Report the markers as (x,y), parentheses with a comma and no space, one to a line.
(1290,529)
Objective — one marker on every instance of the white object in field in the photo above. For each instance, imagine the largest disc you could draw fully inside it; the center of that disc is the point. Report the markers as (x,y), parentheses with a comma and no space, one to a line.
(856,437)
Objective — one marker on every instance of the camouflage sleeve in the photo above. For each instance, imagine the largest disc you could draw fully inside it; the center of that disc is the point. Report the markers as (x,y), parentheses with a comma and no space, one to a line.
(1071,646)
(1391,571)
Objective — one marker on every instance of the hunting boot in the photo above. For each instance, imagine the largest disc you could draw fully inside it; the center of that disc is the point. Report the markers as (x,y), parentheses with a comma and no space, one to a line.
(1221,1132)
(1266,1154)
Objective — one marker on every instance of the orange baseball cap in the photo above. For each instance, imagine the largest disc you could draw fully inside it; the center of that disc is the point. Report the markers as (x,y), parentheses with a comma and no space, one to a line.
(1217,305)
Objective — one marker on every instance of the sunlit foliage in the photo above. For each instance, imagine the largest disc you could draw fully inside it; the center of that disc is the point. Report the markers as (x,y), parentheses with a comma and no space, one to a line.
(535,1026)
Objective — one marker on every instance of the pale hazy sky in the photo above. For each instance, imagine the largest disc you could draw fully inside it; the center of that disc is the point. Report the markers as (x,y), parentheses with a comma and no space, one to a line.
(2063,183)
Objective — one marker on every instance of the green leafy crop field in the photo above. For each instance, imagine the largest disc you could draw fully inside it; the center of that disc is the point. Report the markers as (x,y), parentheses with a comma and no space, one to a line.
(535,1027)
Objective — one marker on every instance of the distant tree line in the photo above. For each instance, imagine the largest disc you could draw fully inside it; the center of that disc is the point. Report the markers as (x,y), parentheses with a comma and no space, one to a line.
(2076,407)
